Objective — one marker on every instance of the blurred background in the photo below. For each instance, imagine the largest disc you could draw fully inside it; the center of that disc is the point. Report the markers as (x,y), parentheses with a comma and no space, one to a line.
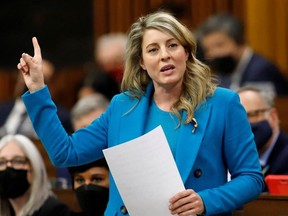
(67,31)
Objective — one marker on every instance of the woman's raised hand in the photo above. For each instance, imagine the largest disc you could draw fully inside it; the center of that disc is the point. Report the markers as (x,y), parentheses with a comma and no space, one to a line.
(31,68)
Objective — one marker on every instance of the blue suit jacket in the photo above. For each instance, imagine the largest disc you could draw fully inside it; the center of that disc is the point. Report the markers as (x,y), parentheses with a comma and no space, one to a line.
(223,140)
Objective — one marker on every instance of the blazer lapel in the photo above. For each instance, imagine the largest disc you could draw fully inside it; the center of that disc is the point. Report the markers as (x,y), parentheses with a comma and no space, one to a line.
(190,139)
(133,122)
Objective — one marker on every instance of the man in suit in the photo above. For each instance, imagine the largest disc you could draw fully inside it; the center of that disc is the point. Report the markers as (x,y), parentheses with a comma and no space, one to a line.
(272,143)
(226,51)
(14,118)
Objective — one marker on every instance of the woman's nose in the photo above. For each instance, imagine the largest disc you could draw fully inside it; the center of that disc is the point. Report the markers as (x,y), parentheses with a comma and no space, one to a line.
(8,163)
(164,54)
(87,181)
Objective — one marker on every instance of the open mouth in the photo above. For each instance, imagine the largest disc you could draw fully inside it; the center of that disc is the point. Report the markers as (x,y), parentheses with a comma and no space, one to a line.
(167,67)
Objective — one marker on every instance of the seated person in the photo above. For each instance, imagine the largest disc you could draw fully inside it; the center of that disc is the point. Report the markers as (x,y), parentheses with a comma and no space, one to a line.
(24,186)
(110,53)
(222,38)
(14,118)
(83,113)
(98,81)
(271,142)
(91,185)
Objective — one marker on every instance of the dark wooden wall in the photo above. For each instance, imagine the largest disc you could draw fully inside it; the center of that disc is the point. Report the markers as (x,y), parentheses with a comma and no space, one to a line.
(266,22)
(118,15)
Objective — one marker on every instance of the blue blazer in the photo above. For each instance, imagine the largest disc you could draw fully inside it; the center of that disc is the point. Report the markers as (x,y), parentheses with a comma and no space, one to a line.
(222,141)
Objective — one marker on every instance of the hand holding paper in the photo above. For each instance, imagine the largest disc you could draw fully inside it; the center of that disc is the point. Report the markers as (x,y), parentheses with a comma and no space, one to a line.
(145,173)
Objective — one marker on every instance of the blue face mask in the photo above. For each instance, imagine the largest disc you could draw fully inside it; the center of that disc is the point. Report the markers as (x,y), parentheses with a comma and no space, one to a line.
(262,133)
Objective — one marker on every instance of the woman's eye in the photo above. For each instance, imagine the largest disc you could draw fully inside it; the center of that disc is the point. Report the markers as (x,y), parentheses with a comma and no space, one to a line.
(173,45)
(79,180)
(152,50)
(97,179)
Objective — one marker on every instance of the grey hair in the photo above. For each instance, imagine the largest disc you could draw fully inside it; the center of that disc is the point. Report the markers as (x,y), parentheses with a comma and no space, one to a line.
(88,104)
(267,96)
(106,40)
(40,187)
(226,23)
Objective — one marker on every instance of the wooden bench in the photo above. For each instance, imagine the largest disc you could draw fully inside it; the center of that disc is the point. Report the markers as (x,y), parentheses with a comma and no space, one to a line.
(266,205)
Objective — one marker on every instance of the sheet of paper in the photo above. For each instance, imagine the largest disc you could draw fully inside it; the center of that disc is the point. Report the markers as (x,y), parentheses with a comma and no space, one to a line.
(145,173)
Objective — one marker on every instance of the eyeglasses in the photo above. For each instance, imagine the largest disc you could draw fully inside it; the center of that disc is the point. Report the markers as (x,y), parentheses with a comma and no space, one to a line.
(17,162)
(256,113)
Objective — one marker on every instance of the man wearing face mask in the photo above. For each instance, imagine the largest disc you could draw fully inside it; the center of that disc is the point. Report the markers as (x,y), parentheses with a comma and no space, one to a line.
(271,142)
(225,50)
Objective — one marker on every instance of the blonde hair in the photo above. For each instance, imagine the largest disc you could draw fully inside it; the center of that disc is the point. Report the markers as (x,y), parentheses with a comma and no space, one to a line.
(40,187)
(198,82)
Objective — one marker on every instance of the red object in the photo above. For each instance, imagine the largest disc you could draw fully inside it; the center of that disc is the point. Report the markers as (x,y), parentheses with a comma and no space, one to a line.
(277,184)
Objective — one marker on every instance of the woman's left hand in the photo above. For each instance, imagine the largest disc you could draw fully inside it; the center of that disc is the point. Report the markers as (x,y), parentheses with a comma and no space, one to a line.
(186,203)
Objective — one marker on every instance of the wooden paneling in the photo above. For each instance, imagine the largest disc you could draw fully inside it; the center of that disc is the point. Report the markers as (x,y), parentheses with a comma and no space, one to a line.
(268,205)
(266,24)
(281,104)
(7,83)
(267,29)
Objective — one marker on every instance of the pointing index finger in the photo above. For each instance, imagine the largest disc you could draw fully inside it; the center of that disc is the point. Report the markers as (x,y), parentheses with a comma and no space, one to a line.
(37,49)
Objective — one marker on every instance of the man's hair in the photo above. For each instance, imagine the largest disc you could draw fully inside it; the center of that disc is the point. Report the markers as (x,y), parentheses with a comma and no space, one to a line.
(225,23)
(88,104)
(267,96)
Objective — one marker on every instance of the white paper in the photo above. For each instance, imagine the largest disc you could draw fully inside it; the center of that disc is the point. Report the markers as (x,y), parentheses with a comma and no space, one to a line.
(145,173)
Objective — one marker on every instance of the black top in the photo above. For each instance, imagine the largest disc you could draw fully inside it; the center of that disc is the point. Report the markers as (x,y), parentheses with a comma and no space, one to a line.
(53,207)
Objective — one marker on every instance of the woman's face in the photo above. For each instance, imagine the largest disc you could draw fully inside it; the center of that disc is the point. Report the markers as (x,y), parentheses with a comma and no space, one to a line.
(13,152)
(95,175)
(164,59)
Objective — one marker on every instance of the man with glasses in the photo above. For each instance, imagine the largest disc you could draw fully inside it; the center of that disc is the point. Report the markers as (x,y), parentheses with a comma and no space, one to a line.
(271,142)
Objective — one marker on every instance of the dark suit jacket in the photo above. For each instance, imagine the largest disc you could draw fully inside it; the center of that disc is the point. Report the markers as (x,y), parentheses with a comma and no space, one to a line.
(53,207)
(277,161)
(278,158)
(5,109)
(64,114)
(261,70)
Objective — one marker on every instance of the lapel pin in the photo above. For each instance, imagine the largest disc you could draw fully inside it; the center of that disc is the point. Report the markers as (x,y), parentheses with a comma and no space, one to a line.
(195,124)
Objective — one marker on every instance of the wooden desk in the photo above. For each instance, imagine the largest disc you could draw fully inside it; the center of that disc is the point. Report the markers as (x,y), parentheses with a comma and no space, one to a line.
(266,205)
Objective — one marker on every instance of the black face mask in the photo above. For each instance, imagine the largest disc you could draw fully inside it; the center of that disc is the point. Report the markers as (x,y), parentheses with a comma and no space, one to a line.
(93,199)
(224,65)
(13,182)
(262,133)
